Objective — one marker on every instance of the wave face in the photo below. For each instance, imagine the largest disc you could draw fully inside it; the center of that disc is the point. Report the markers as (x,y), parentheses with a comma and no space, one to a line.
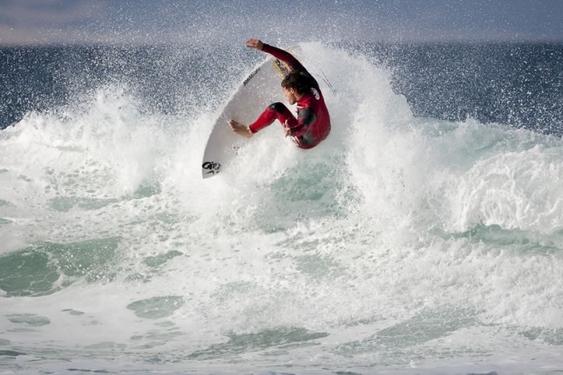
(403,243)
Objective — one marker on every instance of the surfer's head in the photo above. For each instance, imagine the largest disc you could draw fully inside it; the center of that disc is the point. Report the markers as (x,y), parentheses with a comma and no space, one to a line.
(295,85)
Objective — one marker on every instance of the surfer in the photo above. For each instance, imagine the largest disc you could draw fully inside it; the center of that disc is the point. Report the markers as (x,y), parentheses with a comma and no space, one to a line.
(312,124)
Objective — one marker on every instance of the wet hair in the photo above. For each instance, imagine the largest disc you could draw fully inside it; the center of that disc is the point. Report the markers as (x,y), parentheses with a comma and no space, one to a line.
(298,81)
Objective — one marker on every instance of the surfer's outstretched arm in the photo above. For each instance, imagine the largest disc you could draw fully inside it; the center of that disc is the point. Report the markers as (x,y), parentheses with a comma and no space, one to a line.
(278,53)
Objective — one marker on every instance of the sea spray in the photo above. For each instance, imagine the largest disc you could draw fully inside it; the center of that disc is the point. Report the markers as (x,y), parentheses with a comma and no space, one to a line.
(400,242)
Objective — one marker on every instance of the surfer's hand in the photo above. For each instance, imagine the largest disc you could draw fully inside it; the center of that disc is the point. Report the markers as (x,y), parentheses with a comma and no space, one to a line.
(240,129)
(254,43)
(287,129)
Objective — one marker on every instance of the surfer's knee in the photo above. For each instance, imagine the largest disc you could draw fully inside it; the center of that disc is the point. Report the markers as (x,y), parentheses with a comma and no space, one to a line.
(278,107)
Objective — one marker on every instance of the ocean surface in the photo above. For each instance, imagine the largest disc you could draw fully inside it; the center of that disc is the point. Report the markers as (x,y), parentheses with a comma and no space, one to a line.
(424,236)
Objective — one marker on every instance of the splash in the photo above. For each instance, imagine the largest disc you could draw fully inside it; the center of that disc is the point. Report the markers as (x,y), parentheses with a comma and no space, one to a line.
(398,238)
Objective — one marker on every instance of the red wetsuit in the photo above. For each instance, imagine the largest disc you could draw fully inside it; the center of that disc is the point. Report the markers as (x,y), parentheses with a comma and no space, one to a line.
(312,124)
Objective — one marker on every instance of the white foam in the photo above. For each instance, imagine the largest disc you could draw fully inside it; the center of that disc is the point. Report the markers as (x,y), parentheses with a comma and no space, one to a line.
(376,239)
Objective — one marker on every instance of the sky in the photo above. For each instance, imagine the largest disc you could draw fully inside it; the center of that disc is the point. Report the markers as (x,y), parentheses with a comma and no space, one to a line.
(131,22)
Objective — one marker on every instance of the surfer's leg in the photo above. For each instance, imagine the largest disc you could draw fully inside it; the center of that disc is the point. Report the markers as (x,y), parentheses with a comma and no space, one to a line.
(275,111)
(283,115)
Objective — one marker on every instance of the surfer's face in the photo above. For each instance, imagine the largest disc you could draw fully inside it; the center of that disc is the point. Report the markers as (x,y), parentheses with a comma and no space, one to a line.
(290,95)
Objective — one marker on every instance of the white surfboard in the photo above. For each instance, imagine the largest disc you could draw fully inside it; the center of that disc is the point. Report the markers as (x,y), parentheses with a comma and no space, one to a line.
(260,89)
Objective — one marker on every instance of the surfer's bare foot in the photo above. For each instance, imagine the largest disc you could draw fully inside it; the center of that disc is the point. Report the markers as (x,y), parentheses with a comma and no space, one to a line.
(240,129)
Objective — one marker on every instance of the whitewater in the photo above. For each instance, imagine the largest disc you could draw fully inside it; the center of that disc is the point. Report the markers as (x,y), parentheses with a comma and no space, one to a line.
(402,244)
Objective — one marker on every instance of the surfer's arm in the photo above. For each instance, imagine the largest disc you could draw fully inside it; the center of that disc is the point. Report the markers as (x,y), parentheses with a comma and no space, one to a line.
(289,60)
(284,56)
(306,117)
(278,53)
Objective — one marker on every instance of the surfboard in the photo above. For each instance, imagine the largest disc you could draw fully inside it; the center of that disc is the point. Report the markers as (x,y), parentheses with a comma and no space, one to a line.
(260,89)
